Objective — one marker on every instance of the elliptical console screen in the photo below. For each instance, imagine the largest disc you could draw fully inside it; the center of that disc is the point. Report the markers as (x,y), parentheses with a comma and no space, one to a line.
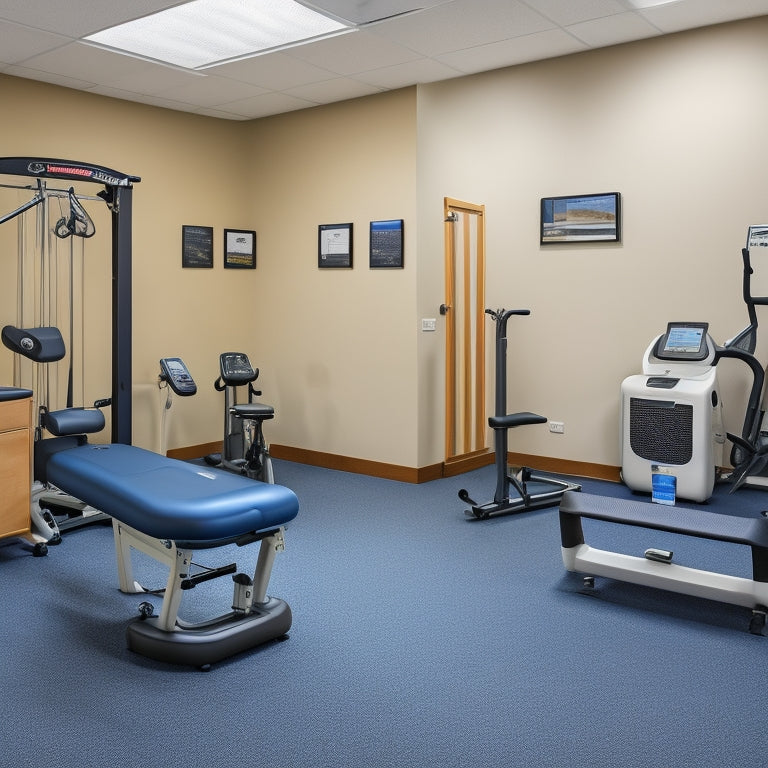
(683,341)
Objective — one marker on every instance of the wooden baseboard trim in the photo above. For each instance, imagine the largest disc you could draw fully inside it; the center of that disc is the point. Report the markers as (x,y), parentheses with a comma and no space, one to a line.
(459,466)
(357,466)
(417,475)
(195,451)
(566,467)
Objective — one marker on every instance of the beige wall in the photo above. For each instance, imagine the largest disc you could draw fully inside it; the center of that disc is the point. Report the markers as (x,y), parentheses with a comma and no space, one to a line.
(192,173)
(677,127)
(675,124)
(337,346)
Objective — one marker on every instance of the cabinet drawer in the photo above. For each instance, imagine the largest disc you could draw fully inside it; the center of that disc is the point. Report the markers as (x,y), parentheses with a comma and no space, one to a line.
(15,481)
(15,414)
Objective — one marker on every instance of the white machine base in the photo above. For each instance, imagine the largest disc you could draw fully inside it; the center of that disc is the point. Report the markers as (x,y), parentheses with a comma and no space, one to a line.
(734,590)
(656,569)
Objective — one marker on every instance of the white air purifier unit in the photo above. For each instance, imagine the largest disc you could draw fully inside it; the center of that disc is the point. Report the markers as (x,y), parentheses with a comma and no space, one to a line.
(671,417)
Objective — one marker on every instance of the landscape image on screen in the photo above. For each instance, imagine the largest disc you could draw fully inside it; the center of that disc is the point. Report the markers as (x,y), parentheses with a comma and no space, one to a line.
(570,219)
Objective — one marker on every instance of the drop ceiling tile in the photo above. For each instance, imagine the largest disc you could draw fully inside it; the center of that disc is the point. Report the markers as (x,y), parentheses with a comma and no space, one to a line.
(611,30)
(267,104)
(85,62)
(338,89)
(688,14)
(565,13)
(403,75)
(354,52)
(211,91)
(275,71)
(76,18)
(48,77)
(18,42)
(155,78)
(220,114)
(553,42)
(122,95)
(364,11)
(462,24)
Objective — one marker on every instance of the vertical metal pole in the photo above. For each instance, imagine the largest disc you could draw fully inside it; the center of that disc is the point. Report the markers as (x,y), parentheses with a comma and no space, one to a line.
(500,435)
(122,318)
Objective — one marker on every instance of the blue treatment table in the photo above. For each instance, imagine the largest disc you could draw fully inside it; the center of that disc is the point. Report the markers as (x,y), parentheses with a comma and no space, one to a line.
(167,509)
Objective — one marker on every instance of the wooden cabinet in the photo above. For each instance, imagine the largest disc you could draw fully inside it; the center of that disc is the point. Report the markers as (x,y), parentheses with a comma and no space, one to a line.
(15,467)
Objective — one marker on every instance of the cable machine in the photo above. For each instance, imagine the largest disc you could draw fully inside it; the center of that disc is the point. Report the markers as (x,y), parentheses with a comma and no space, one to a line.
(117,193)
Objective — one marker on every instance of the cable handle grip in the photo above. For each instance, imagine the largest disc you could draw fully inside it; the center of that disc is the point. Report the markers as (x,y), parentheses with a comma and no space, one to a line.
(501,316)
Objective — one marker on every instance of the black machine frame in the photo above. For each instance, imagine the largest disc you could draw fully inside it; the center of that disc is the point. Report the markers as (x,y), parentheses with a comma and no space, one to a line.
(118,195)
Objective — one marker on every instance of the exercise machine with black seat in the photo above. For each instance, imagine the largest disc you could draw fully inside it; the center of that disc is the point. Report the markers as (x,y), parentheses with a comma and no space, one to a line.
(523,490)
(244,448)
(54,511)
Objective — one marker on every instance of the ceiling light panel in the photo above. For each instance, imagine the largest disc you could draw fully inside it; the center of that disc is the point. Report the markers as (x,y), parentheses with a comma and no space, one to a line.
(203,32)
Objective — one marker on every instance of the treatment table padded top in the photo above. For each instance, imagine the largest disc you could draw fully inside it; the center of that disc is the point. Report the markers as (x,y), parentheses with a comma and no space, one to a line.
(167,498)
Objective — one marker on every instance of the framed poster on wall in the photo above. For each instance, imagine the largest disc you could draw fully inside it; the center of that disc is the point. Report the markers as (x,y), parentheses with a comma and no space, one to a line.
(239,249)
(196,247)
(334,245)
(386,244)
(581,218)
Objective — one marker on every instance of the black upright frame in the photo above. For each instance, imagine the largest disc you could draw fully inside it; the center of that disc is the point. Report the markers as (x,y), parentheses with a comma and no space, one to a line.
(118,195)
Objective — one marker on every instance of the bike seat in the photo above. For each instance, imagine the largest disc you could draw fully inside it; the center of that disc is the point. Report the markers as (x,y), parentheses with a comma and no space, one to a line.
(253,411)
(515,420)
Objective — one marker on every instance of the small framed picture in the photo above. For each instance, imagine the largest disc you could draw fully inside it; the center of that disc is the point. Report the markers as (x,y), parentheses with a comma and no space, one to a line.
(196,247)
(386,244)
(334,246)
(239,249)
(581,218)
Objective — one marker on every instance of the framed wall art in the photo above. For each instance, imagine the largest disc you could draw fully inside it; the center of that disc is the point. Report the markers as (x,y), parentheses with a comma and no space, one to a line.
(581,218)
(334,245)
(239,249)
(386,244)
(196,247)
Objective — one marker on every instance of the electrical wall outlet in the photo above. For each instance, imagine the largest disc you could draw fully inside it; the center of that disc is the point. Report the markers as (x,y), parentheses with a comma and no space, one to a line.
(558,427)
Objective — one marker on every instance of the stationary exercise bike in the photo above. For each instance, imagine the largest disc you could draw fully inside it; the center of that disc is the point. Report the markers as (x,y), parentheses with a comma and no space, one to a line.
(524,490)
(245,450)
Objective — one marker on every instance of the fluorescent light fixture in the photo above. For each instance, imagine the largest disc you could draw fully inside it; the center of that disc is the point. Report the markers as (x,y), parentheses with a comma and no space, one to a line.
(203,32)
(640,4)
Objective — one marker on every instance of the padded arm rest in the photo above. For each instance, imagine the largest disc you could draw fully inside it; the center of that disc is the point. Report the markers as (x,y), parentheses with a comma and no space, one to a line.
(14,393)
(170,499)
(73,421)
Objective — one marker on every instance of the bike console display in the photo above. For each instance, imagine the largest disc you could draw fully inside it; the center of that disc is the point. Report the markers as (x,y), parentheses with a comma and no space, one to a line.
(236,369)
(173,370)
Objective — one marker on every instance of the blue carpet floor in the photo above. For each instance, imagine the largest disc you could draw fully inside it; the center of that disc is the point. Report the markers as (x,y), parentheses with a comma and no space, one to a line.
(420,638)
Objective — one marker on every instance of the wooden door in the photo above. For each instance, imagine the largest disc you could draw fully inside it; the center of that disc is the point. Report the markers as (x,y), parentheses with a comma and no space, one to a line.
(464,308)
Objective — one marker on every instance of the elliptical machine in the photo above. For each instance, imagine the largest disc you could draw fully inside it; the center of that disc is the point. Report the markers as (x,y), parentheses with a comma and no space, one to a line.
(245,450)
(522,491)
(749,454)
(671,413)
